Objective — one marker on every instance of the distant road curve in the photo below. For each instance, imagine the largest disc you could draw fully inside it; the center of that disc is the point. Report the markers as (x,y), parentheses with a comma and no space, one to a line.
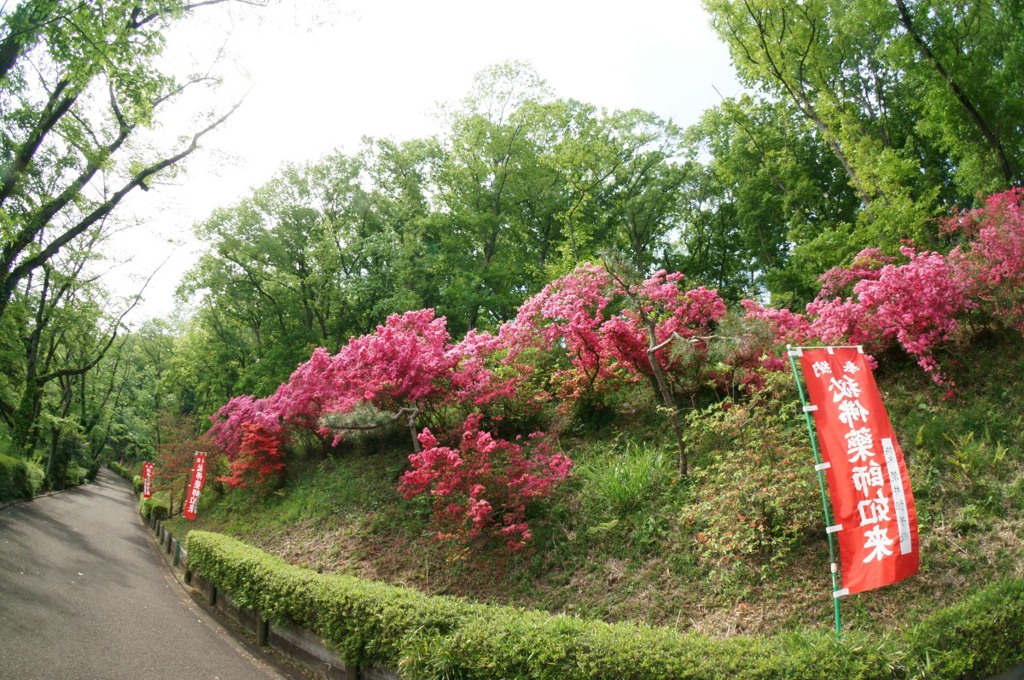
(84,593)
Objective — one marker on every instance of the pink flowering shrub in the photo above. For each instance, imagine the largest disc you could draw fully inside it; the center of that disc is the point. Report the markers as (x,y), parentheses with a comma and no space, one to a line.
(917,306)
(761,348)
(229,422)
(565,319)
(476,377)
(992,263)
(300,402)
(866,266)
(787,327)
(480,489)
(602,350)
(259,460)
(925,303)
(683,315)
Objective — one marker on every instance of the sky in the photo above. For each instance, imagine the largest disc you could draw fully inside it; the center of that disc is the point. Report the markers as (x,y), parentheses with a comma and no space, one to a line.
(319,75)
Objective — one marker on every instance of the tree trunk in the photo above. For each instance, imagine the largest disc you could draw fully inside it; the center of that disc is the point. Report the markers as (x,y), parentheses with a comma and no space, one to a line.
(666,393)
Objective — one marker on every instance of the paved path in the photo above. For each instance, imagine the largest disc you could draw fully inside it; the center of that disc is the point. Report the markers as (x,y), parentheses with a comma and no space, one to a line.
(84,593)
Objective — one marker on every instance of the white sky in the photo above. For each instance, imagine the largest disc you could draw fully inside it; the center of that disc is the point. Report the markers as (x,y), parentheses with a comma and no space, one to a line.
(323,74)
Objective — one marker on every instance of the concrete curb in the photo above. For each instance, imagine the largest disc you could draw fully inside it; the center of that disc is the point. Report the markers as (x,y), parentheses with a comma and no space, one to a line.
(297,646)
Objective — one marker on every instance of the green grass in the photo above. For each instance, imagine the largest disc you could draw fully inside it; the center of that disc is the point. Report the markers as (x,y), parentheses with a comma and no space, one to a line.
(620,541)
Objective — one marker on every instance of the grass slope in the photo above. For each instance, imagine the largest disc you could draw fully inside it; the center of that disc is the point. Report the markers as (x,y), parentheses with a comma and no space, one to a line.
(628,539)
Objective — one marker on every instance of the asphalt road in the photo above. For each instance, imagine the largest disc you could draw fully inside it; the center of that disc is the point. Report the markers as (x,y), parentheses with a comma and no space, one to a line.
(84,593)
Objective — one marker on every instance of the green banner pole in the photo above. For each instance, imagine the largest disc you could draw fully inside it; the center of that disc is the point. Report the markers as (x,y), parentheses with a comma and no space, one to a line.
(834,568)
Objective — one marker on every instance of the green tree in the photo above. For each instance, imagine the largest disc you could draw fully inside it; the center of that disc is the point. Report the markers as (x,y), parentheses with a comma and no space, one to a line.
(314,256)
(66,335)
(489,208)
(919,102)
(78,82)
(964,61)
(768,206)
(641,203)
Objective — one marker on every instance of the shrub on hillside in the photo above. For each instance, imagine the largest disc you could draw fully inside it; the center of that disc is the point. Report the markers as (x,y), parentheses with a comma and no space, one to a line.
(14,479)
(991,263)
(755,491)
(480,489)
(157,506)
(259,460)
(918,305)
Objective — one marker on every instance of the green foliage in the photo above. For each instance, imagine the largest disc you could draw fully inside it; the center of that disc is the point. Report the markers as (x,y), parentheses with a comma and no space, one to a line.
(771,183)
(623,480)
(904,95)
(157,506)
(756,497)
(122,471)
(80,85)
(441,637)
(15,481)
(363,620)
(529,645)
(977,638)
(76,474)
(36,474)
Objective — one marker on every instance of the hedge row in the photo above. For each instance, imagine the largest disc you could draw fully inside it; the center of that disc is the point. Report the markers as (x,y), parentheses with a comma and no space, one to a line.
(15,479)
(441,637)
(157,506)
(121,470)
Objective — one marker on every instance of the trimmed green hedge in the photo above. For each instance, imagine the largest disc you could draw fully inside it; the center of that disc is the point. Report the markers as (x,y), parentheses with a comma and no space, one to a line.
(121,470)
(158,505)
(363,620)
(977,638)
(442,637)
(15,480)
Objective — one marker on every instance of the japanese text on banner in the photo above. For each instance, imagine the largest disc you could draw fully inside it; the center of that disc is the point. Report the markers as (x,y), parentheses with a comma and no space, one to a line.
(147,480)
(867,476)
(195,485)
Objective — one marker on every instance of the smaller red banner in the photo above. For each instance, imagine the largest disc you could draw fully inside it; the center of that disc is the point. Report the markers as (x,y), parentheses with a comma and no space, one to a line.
(147,480)
(874,515)
(195,485)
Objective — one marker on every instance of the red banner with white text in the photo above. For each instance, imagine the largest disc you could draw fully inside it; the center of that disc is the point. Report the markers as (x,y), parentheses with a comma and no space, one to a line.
(195,485)
(874,516)
(147,480)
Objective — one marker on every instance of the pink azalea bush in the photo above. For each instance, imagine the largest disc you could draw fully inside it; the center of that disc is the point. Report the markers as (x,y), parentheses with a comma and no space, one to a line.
(259,460)
(586,334)
(573,316)
(229,422)
(757,355)
(917,305)
(481,488)
(565,318)
(992,262)
(678,314)
(866,266)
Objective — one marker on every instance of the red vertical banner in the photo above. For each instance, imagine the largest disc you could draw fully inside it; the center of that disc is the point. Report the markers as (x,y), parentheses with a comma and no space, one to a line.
(147,480)
(873,507)
(195,485)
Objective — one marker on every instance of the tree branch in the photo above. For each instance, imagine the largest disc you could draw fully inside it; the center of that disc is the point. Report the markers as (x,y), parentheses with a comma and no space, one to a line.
(104,209)
(991,137)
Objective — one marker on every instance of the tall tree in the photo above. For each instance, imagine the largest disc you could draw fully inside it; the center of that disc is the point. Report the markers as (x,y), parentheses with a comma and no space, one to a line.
(768,206)
(78,82)
(908,96)
(490,171)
